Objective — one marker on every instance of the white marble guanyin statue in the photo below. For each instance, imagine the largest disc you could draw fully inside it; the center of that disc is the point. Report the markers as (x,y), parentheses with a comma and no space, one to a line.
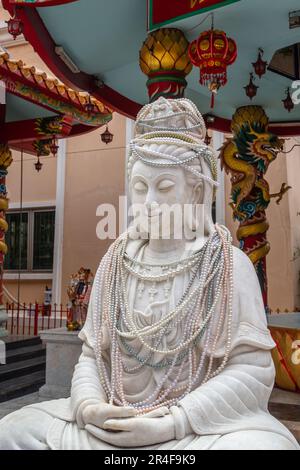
(176,350)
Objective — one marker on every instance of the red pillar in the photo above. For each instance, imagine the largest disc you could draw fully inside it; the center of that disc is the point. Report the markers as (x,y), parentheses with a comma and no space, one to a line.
(5,161)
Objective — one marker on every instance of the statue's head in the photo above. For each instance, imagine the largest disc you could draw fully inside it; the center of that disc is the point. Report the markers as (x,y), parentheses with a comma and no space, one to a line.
(171,169)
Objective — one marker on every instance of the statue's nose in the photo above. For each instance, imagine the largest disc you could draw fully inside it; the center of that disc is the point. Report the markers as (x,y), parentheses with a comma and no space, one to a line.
(152,207)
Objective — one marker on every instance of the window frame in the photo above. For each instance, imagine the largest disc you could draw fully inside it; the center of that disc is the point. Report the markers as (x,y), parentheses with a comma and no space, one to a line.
(30,238)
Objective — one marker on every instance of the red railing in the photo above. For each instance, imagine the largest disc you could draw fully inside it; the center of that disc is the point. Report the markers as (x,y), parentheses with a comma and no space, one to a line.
(28,320)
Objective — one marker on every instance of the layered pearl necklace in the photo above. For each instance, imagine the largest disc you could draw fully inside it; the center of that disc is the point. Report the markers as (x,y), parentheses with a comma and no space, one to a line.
(203,312)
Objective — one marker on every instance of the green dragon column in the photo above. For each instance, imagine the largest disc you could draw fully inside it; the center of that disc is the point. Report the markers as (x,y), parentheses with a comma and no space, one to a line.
(246,157)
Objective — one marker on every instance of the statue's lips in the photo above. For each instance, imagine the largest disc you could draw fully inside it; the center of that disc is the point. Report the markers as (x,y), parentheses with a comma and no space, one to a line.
(153,216)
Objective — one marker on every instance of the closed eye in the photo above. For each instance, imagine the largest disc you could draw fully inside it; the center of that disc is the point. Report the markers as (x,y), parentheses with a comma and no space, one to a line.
(166,185)
(140,187)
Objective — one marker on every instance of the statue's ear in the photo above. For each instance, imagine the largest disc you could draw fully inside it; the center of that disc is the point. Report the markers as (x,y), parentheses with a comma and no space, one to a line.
(197,194)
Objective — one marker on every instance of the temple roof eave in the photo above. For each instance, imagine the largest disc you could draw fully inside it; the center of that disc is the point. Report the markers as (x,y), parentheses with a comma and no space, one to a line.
(39,88)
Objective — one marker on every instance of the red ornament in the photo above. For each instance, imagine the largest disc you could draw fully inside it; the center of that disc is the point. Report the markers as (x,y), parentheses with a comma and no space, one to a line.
(38,165)
(260,66)
(288,102)
(251,89)
(213,52)
(107,137)
(15,27)
(54,146)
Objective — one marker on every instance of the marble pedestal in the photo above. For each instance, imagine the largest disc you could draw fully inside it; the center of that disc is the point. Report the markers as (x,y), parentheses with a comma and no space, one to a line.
(63,349)
(3,320)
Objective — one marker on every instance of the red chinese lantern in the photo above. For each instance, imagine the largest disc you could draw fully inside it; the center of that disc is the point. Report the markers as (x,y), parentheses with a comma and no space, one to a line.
(38,165)
(288,102)
(213,52)
(54,146)
(260,66)
(251,89)
(15,26)
(106,136)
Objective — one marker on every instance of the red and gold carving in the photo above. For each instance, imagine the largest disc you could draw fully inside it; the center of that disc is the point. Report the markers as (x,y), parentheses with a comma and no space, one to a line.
(286,357)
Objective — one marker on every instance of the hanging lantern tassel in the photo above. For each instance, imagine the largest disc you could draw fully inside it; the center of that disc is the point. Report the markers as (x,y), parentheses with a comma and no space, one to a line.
(213,52)
(213,87)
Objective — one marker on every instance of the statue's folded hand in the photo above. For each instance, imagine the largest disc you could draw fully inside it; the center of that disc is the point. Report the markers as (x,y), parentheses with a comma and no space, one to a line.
(135,432)
(97,415)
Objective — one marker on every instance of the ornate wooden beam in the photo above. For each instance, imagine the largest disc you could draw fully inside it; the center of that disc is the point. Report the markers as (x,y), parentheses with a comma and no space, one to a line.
(36,87)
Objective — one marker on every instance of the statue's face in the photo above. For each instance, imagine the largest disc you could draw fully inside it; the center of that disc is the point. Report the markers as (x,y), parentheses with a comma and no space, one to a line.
(161,193)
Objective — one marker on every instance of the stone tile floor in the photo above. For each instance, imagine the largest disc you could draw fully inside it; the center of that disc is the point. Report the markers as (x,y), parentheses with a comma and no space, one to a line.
(14,405)
(284,405)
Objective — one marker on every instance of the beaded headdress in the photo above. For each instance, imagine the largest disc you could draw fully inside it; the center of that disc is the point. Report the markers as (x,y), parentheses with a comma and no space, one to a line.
(175,122)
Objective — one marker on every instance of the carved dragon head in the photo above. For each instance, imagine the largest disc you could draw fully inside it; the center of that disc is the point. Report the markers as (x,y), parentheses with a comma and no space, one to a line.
(255,144)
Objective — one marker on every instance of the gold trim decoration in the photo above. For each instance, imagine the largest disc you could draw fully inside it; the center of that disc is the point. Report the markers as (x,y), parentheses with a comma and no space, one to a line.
(5,156)
(286,357)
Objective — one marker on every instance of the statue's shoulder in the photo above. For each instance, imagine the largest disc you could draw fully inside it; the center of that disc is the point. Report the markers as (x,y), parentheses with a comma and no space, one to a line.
(248,305)
(244,275)
(240,259)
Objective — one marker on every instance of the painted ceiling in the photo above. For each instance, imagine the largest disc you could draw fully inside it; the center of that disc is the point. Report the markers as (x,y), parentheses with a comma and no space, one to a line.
(104,40)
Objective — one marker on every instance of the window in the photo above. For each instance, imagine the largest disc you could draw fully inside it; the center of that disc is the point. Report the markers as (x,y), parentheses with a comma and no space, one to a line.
(17,241)
(30,240)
